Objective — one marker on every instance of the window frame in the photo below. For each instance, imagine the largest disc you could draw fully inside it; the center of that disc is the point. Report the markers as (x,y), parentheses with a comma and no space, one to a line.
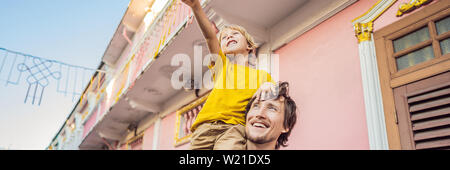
(387,81)
(398,31)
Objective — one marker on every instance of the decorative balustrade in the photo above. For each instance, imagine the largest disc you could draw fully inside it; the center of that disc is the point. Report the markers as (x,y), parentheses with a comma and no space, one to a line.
(185,118)
(107,87)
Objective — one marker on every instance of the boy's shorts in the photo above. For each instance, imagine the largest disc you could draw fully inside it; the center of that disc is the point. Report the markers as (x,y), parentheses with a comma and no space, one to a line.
(218,136)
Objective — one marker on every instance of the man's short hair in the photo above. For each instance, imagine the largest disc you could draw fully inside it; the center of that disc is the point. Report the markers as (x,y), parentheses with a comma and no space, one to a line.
(290,115)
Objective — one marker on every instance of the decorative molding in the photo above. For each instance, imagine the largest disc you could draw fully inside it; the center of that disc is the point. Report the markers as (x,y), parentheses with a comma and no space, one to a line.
(373,101)
(363,24)
(411,6)
(363,31)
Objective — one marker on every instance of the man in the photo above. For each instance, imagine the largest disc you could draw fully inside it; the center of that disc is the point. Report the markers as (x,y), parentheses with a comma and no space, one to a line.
(270,117)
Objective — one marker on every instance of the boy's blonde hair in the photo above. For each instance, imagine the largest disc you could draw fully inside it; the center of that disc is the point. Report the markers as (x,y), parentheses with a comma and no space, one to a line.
(250,40)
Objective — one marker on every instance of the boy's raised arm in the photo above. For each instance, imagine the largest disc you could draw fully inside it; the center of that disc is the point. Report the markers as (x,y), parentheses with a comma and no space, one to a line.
(205,25)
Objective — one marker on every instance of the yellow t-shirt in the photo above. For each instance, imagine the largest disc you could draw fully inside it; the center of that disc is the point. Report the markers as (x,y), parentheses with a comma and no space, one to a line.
(234,85)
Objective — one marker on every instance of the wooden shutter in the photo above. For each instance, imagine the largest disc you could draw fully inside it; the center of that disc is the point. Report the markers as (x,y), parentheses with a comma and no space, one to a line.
(423,110)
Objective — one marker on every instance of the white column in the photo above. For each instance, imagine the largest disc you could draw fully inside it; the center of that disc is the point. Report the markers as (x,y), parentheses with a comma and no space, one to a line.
(372,97)
(373,101)
(156,133)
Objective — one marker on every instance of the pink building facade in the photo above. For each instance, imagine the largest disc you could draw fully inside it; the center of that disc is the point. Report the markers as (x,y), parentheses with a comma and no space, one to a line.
(334,54)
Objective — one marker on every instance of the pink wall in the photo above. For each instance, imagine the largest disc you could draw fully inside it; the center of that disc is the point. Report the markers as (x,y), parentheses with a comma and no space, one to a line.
(148,138)
(123,147)
(326,81)
(88,125)
(167,134)
(102,106)
(323,69)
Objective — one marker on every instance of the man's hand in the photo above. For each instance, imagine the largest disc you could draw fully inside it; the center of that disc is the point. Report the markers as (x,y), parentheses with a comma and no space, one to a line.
(192,3)
(266,91)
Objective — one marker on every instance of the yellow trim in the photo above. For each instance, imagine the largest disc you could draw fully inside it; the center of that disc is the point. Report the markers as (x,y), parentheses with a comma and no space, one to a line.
(365,13)
(99,76)
(363,31)
(84,115)
(183,140)
(87,89)
(72,128)
(166,19)
(371,8)
(124,72)
(384,10)
(179,113)
(98,96)
(411,6)
(132,139)
(81,98)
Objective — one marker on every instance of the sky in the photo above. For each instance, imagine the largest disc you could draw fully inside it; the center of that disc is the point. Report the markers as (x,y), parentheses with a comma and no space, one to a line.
(74,32)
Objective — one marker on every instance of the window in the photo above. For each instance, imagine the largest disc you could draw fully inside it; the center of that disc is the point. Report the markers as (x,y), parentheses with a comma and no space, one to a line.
(443,28)
(417,56)
(421,44)
(413,64)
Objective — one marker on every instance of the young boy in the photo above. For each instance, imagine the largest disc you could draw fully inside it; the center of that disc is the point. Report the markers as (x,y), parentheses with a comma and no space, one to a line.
(234,84)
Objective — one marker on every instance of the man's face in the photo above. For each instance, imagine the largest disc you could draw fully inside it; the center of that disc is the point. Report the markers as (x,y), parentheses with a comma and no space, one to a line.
(265,121)
(232,41)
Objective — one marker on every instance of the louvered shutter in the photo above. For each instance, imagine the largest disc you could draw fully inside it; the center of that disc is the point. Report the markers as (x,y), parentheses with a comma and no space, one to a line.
(423,110)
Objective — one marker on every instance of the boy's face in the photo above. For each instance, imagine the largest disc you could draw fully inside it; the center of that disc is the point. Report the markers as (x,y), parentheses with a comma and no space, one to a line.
(233,42)
(265,121)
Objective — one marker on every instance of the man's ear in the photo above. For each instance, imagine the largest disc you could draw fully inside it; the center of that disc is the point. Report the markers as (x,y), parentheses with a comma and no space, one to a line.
(285,130)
